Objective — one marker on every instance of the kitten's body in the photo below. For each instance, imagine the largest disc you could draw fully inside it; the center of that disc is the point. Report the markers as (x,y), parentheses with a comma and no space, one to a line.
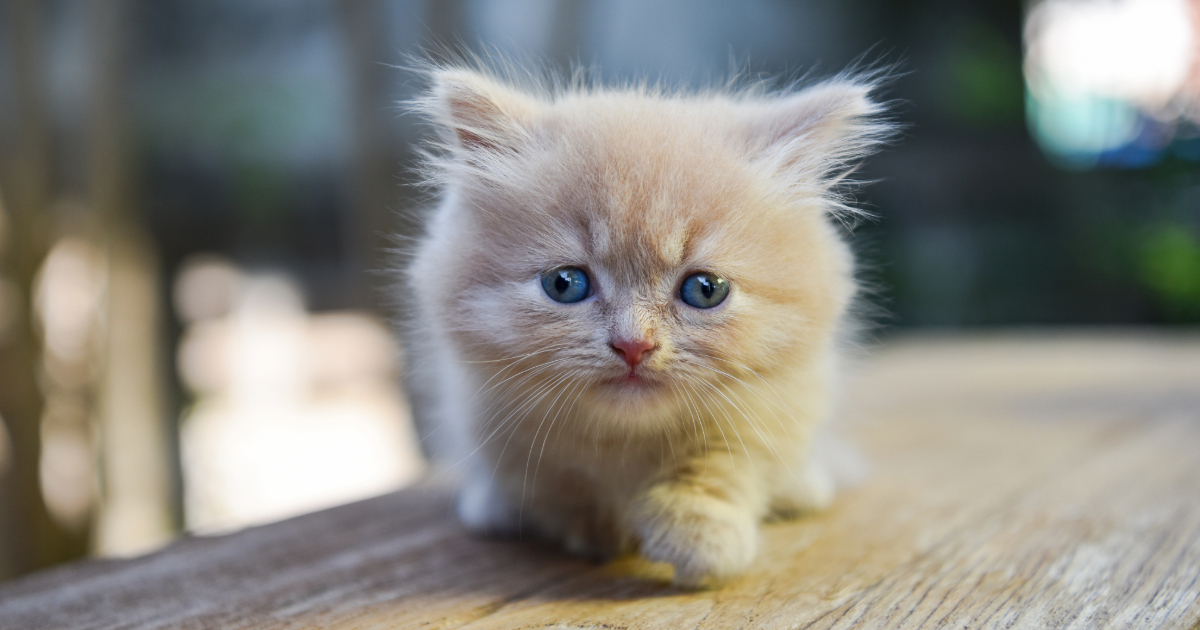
(681,450)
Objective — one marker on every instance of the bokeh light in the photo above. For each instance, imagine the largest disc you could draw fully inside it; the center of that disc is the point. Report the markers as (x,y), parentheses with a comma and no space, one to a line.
(1112,82)
(293,411)
(68,302)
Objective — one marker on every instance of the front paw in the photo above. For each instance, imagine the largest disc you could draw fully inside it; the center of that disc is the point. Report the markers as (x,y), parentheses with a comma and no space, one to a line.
(701,535)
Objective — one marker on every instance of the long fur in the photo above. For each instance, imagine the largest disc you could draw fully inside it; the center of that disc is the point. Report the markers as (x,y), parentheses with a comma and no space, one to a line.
(640,186)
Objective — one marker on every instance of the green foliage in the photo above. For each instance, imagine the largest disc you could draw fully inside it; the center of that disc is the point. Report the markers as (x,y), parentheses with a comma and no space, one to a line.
(260,193)
(1169,261)
(984,71)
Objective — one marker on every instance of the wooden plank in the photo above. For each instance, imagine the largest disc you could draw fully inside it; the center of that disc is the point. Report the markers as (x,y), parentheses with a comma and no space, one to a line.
(1019,481)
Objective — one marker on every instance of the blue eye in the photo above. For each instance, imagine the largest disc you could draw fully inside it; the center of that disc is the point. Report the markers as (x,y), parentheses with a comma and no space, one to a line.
(567,285)
(703,290)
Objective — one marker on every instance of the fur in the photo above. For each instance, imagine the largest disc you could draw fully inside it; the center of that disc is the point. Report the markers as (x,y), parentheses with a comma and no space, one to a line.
(640,187)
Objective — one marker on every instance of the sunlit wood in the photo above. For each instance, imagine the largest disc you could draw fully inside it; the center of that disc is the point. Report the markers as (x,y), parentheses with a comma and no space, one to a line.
(1018,481)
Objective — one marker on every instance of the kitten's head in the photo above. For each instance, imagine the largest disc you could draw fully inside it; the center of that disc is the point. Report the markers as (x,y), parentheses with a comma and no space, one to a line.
(620,252)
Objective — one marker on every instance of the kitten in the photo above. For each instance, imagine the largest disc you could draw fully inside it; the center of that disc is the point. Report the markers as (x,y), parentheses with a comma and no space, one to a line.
(627,308)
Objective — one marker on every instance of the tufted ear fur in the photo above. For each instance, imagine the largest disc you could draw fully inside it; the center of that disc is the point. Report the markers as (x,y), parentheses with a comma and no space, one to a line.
(485,116)
(817,132)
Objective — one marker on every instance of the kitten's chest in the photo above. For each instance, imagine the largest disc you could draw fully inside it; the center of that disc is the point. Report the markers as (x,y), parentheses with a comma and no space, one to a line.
(606,472)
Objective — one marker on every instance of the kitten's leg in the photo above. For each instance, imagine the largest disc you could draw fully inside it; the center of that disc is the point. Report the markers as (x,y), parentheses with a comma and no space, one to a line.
(484,508)
(704,519)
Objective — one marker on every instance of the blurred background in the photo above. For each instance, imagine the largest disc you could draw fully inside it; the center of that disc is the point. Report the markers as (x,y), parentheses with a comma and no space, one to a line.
(197,200)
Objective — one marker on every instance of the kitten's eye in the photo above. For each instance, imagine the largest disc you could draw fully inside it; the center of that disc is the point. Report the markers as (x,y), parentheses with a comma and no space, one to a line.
(567,285)
(703,290)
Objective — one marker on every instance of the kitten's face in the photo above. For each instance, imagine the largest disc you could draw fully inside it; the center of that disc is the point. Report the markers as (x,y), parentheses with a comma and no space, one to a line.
(587,265)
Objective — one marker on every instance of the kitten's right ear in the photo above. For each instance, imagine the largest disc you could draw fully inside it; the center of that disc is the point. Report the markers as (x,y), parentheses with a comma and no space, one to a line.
(484,114)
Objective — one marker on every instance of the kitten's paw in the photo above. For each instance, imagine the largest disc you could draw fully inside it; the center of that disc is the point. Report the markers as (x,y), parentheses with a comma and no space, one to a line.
(485,510)
(701,535)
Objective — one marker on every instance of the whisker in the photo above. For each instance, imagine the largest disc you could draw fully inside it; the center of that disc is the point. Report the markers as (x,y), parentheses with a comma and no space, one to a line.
(728,446)
(518,357)
(581,387)
(733,424)
(553,404)
(533,441)
(504,402)
(758,393)
(697,422)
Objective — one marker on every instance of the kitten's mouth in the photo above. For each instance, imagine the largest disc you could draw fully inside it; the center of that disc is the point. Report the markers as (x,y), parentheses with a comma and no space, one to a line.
(633,379)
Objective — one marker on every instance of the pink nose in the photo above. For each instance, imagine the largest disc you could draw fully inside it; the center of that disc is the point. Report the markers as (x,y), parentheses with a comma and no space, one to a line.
(633,351)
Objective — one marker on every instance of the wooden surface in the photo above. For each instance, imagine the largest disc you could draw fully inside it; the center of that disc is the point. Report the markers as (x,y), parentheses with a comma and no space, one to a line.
(1019,481)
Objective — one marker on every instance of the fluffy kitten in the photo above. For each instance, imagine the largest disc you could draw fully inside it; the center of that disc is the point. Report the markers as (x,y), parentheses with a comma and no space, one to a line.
(627,308)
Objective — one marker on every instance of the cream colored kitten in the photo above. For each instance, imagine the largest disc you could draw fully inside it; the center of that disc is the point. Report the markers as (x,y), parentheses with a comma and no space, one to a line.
(627,308)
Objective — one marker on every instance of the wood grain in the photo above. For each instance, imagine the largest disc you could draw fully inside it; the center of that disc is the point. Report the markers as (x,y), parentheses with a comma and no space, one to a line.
(1018,481)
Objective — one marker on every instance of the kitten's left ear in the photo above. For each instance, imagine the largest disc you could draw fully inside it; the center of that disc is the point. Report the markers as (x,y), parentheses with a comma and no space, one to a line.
(816,132)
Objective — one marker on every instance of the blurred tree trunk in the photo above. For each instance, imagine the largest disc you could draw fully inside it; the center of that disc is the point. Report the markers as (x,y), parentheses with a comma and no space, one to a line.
(136,507)
(29,538)
(375,158)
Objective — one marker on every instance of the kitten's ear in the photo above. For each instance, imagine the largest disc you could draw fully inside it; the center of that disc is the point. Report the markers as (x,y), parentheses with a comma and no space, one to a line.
(816,132)
(483,114)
